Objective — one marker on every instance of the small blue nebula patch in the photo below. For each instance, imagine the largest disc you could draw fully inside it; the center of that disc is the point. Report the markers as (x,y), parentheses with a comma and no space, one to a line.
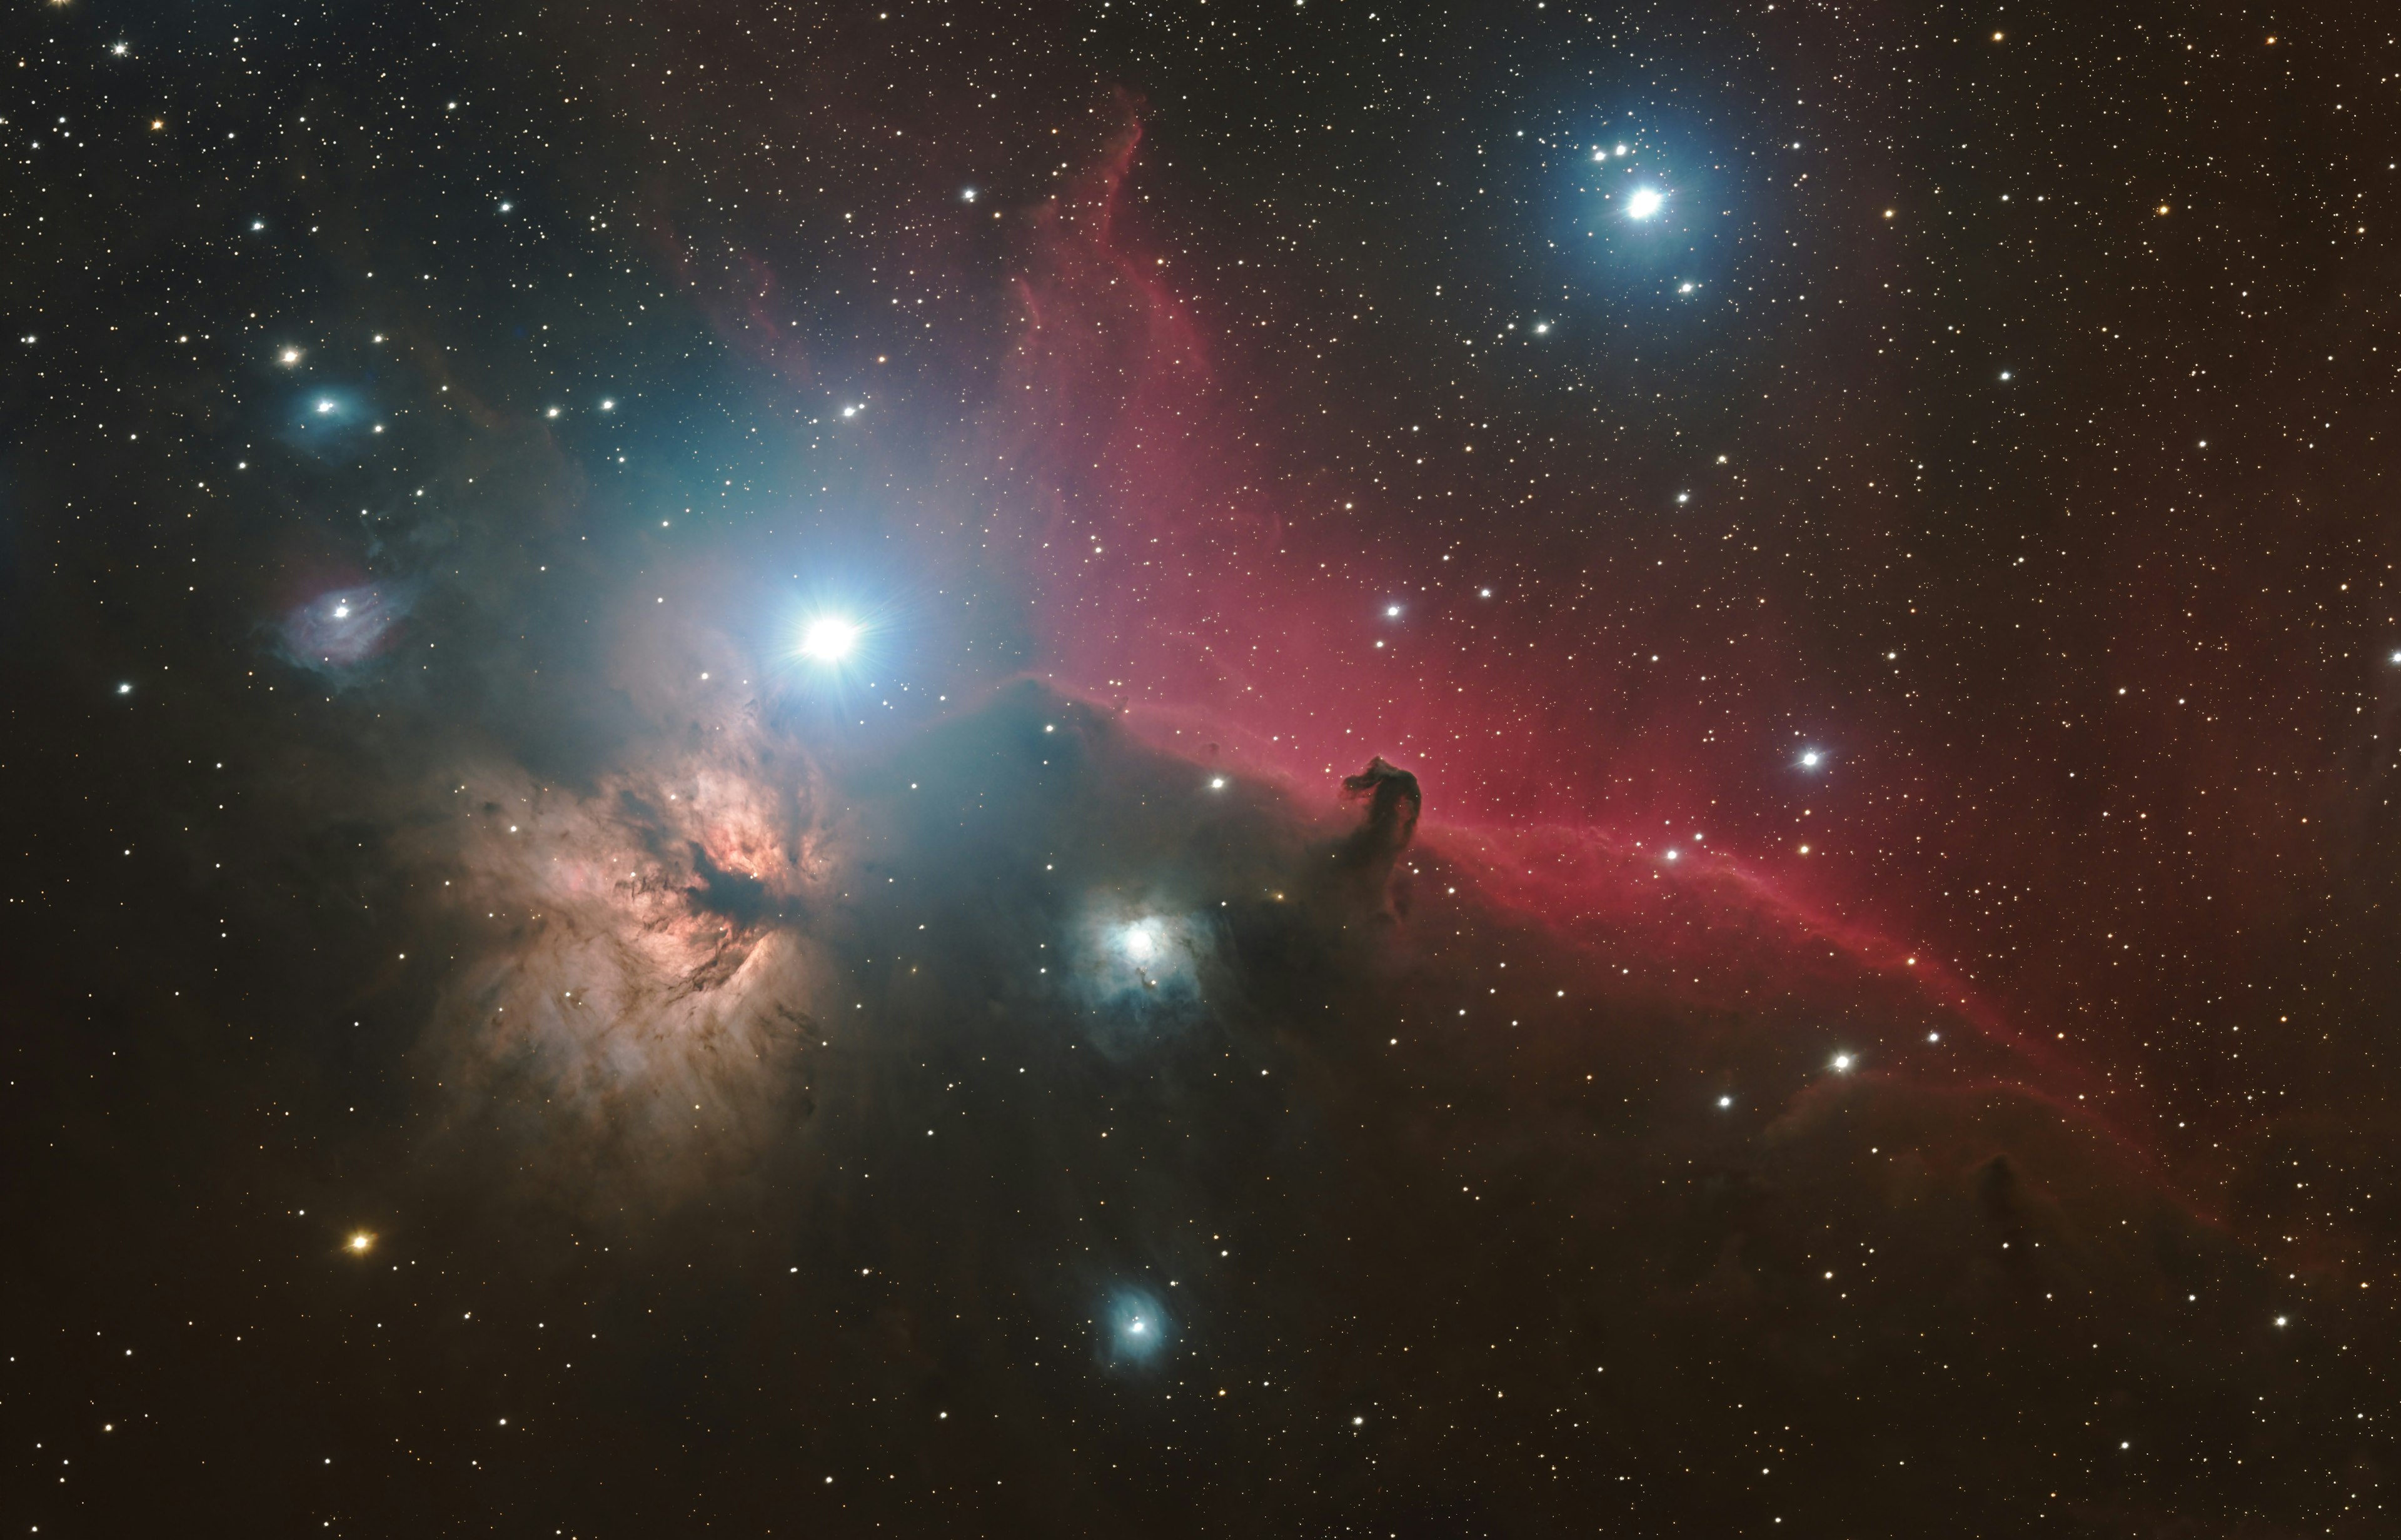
(329,423)
(1135,1327)
(339,630)
(1139,970)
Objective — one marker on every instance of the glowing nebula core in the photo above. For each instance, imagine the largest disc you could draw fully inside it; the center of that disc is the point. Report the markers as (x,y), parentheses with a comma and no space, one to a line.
(338,630)
(1137,968)
(1135,1328)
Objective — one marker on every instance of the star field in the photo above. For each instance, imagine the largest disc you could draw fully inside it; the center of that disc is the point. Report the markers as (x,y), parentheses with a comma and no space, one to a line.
(1321,767)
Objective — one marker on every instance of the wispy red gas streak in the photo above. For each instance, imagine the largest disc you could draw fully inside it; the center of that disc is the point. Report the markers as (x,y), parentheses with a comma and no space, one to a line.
(1235,613)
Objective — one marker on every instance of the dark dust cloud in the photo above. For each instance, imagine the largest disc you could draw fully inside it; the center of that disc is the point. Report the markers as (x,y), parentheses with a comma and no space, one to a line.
(1199,768)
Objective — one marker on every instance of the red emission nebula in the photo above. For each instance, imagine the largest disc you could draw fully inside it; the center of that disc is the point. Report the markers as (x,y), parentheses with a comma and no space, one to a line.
(1720,718)
(1287,624)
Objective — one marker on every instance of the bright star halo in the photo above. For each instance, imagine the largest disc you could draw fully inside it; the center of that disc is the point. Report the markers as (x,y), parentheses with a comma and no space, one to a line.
(1644,202)
(844,630)
(829,639)
(1135,1328)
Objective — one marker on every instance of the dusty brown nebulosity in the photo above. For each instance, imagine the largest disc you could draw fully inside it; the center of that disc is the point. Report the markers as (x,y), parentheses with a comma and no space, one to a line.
(653,953)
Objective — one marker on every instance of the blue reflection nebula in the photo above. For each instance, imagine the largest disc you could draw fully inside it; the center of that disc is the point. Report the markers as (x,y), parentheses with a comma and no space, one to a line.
(338,630)
(330,422)
(1135,1327)
(1139,971)
(1636,213)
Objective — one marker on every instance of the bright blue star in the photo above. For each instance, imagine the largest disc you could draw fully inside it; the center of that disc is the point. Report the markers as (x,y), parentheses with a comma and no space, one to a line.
(829,639)
(1135,1327)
